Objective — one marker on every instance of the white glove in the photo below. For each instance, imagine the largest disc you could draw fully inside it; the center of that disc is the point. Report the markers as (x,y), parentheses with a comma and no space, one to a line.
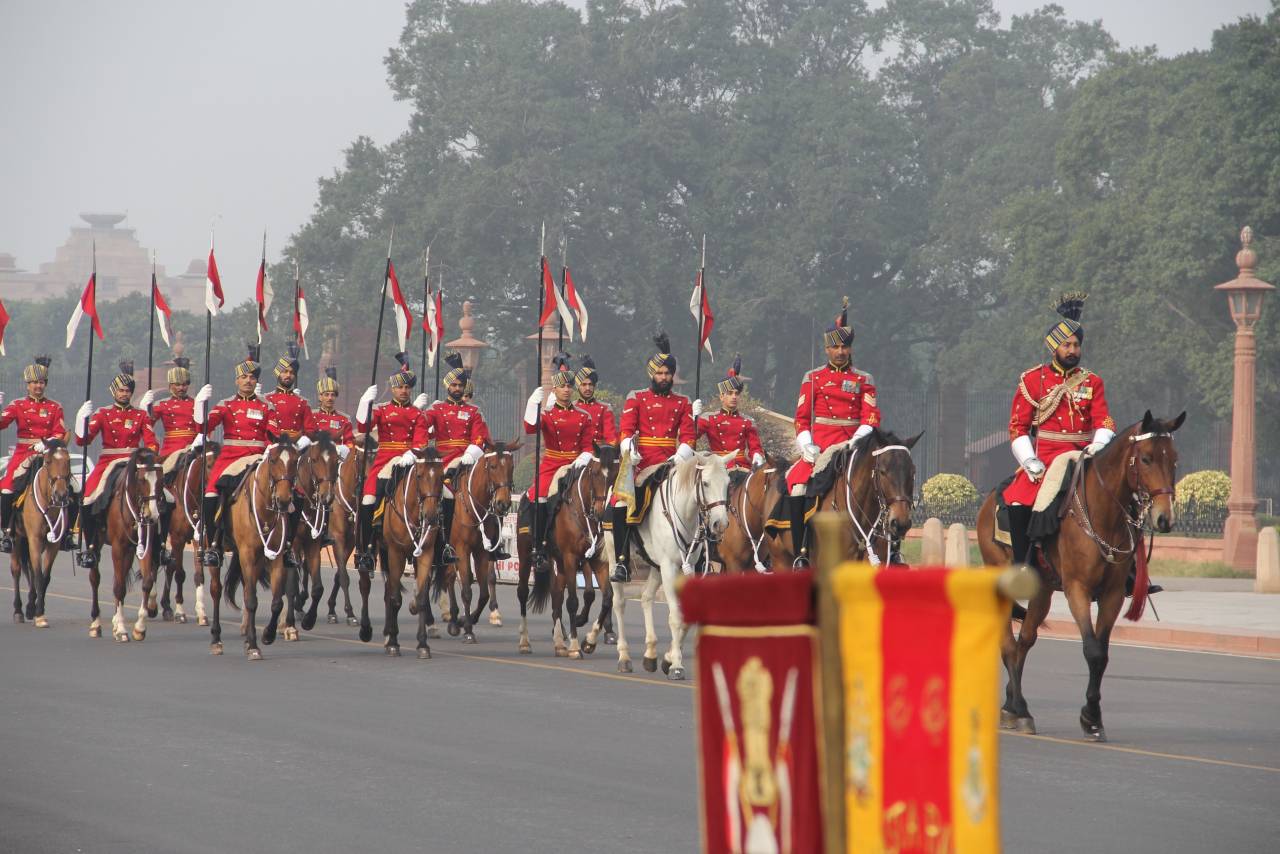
(531,405)
(757,460)
(472,454)
(302,443)
(39,447)
(1101,437)
(408,458)
(697,409)
(628,446)
(202,397)
(343,452)
(257,390)
(863,430)
(82,416)
(298,392)
(683,452)
(197,441)
(421,401)
(804,444)
(582,459)
(1034,469)
(366,400)
(1,398)
(148,398)
(1025,453)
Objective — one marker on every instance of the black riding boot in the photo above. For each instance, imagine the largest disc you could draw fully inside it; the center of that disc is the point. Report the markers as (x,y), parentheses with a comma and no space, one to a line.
(68,543)
(6,507)
(447,555)
(539,531)
(796,506)
(1019,519)
(212,556)
(162,535)
(364,539)
(89,525)
(621,538)
(290,531)
(1132,580)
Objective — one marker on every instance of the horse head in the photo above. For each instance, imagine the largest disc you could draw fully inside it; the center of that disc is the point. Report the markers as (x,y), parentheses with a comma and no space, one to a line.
(143,483)
(426,478)
(497,468)
(609,459)
(318,470)
(712,488)
(57,469)
(893,475)
(1152,467)
(281,464)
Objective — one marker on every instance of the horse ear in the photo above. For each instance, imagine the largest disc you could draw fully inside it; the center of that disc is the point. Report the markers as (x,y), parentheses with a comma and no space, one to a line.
(728,458)
(911,443)
(1146,422)
(1177,422)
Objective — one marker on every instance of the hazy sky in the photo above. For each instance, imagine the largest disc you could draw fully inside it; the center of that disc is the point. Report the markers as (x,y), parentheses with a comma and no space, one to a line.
(178,112)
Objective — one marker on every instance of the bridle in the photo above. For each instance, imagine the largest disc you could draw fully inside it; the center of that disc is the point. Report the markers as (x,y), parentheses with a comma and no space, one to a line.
(492,487)
(318,520)
(878,523)
(418,536)
(57,527)
(702,535)
(1141,501)
(279,521)
(189,486)
(740,511)
(142,522)
(590,516)
(342,496)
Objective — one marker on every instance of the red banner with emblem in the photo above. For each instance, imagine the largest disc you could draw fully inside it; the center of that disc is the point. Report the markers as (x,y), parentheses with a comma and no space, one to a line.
(757,702)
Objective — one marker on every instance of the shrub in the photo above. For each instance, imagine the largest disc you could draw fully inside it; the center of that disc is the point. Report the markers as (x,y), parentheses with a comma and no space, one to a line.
(949,493)
(1203,488)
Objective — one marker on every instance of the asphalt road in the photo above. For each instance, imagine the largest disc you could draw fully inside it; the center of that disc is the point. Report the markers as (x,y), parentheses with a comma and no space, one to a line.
(329,745)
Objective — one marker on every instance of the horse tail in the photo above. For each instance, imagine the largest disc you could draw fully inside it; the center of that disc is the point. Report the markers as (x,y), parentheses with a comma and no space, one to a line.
(232,581)
(439,578)
(541,591)
(1141,583)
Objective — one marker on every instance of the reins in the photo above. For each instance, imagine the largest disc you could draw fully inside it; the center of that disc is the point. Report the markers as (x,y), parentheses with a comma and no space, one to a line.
(877,524)
(265,536)
(491,489)
(57,528)
(1141,501)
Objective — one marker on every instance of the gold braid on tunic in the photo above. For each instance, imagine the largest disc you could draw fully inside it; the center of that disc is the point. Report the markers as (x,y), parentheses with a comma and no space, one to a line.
(1049,403)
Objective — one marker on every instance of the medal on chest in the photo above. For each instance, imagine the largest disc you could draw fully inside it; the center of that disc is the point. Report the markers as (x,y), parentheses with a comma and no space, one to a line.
(253,414)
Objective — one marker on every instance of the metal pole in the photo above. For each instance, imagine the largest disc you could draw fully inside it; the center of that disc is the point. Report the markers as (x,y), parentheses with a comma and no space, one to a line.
(537,418)
(426,299)
(88,390)
(373,380)
(439,319)
(151,321)
(702,298)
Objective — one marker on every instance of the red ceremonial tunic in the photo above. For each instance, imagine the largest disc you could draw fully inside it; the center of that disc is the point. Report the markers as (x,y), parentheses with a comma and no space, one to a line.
(37,420)
(336,424)
(400,427)
(566,432)
(124,429)
(660,422)
(248,426)
(292,411)
(833,403)
(731,431)
(606,430)
(1080,409)
(177,416)
(454,426)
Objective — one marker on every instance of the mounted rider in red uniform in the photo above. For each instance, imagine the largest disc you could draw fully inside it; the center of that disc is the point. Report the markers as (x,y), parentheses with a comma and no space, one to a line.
(728,429)
(401,428)
(124,428)
(39,419)
(292,409)
(326,418)
(567,435)
(586,379)
(176,413)
(657,426)
(837,403)
(248,425)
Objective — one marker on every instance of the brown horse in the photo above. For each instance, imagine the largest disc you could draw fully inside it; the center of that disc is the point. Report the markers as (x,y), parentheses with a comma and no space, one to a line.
(745,544)
(576,545)
(259,524)
(872,487)
(410,528)
(47,511)
(314,491)
(184,516)
(482,496)
(1092,552)
(342,530)
(131,519)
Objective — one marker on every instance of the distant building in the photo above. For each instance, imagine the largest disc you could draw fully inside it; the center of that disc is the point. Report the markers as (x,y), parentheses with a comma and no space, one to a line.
(124,267)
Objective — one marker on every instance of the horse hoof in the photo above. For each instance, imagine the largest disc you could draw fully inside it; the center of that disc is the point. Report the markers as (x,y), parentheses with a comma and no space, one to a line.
(1026,726)
(469,638)
(454,630)
(152,611)
(41,622)
(268,638)
(139,635)
(215,648)
(333,619)
(588,648)
(366,632)
(393,651)
(290,633)
(95,632)
(676,674)
(18,618)
(120,637)
(424,653)
(179,618)
(351,621)
(201,621)
(561,652)
(666,666)
(650,664)
(575,654)
(433,632)
(611,638)
(624,666)
(166,616)
(495,619)
(526,649)
(1093,730)
(308,622)
(413,608)
(254,654)
(1007,718)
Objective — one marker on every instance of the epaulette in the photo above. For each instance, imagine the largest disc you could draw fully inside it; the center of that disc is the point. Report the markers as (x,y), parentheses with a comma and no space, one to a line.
(634,392)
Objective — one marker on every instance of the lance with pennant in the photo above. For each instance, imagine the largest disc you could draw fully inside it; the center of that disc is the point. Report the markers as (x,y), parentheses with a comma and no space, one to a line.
(213,300)
(703,303)
(439,339)
(91,292)
(543,277)
(426,307)
(151,321)
(373,374)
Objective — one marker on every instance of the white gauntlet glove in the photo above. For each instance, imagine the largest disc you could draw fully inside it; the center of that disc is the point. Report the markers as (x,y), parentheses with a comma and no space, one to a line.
(1101,438)
(148,398)
(202,397)
(197,441)
(757,460)
(366,400)
(408,458)
(472,454)
(808,450)
(628,446)
(82,418)
(683,452)
(531,405)
(1025,453)
(863,430)
(421,401)
(697,409)
(302,443)
(582,459)
(343,452)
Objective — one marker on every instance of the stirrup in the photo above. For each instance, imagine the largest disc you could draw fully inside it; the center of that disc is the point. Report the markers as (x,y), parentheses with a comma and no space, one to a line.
(500,554)
(6,543)
(212,558)
(539,558)
(801,561)
(621,572)
(164,556)
(448,555)
(291,560)
(84,559)
(364,561)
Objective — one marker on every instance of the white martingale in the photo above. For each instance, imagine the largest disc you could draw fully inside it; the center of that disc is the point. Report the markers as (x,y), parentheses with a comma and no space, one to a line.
(57,527)
(268,552)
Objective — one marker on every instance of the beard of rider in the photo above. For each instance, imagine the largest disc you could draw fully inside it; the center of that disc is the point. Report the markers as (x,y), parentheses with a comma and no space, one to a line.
(663,387)
(1070,361)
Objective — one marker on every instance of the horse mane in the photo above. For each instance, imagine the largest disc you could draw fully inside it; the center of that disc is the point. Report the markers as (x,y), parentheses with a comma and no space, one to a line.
(504,447)
(427,454)
(54,445)
(142,457)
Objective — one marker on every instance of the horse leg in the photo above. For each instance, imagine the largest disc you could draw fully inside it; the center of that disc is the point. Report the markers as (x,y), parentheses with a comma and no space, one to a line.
(600,570)
(1015,715)
(317,585)
(422,574)
(148,567)
(279,574)
(619,613)
(673,661)
(482,569)
(650,660)
(121,566)
(495,616)
(42,580)
(1096,653)
(15,569)
(522,596)
(557,614)
(570,577)
(95,613)
(176,570)
(392,594)
(197,562)
(248,617)
(32,570)
(166,606)
(289,604)
(366,581)
(468,619)
(215,593)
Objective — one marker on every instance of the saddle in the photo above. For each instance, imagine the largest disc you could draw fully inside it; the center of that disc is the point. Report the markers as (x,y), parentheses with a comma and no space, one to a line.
(646,484)
(1053,500)
(107,489)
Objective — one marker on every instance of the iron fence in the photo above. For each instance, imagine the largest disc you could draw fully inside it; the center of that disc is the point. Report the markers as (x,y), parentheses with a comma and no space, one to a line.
(1193,519)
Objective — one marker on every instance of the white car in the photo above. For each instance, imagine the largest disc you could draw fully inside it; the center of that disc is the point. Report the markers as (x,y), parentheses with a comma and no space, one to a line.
(77,460)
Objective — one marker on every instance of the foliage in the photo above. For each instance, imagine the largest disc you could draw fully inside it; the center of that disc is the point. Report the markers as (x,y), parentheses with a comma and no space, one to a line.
(1203,488)
(949,493)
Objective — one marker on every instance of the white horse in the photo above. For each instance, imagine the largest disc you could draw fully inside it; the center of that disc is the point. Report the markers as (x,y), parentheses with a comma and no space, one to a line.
(691,502)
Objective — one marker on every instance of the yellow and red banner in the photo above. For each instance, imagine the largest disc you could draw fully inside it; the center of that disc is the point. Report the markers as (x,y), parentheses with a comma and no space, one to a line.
(757,701)
(920,660)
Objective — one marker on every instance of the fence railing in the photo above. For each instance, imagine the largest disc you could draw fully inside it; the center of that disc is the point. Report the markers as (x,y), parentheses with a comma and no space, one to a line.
(1193,519)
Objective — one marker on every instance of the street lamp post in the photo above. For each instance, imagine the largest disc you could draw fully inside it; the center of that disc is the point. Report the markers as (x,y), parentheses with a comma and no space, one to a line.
(1244,299)
(467,345)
